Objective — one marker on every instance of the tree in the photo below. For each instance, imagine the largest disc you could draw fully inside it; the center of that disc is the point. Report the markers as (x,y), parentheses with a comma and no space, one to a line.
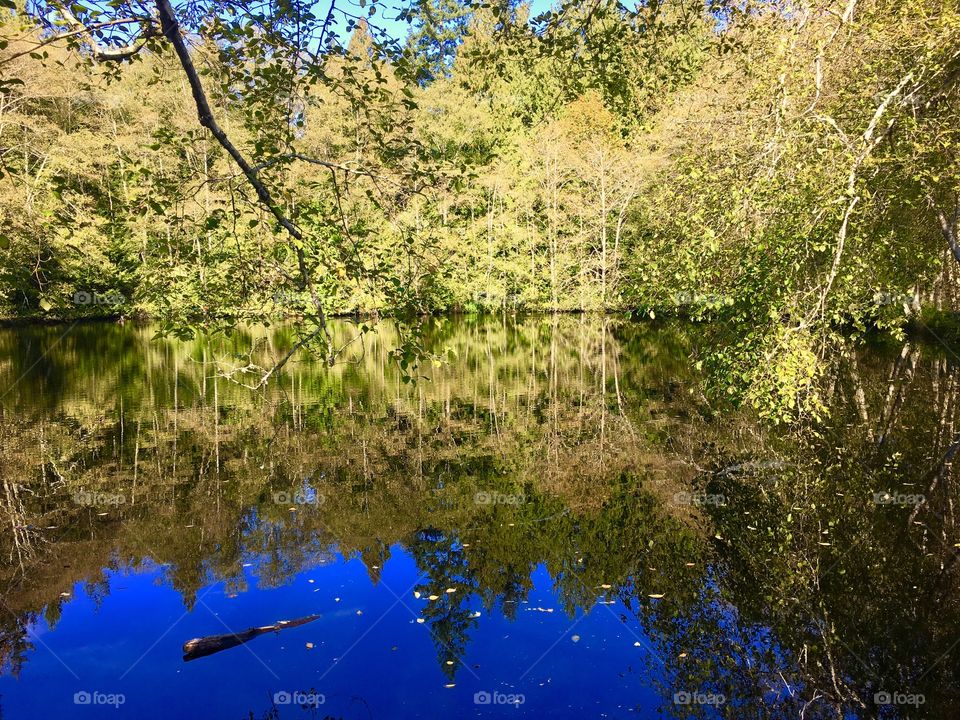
(437,30)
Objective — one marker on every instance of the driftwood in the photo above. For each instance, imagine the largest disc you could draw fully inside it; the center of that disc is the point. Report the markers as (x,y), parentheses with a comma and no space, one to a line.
(201,647)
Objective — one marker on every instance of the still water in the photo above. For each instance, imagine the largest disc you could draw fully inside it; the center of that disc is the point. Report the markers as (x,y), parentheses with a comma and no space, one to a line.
(556,521)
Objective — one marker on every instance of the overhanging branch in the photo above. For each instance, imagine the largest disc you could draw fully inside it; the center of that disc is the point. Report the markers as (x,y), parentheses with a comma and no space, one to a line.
(170,28)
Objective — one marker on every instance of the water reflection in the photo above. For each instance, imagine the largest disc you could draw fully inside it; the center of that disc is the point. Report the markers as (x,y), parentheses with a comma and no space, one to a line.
(560,478)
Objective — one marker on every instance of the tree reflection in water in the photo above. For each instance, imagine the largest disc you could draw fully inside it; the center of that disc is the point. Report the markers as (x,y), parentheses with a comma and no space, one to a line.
(797,573)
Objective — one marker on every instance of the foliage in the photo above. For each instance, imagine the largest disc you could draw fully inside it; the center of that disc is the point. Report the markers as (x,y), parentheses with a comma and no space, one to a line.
(787,168)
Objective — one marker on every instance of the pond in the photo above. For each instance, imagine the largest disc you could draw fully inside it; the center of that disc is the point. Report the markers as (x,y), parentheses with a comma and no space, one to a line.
(554,521)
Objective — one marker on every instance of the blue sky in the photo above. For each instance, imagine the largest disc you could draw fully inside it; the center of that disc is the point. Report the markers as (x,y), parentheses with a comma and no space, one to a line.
(386,13)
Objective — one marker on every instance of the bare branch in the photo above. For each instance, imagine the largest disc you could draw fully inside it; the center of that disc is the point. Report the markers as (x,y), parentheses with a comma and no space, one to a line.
(84,31)
(100,51)
(870,142)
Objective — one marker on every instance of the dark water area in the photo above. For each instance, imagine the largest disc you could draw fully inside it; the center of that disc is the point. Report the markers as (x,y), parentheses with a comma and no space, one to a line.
(554,522)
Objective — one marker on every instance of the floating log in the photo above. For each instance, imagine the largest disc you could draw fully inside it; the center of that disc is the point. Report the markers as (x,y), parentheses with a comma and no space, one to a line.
(203,646)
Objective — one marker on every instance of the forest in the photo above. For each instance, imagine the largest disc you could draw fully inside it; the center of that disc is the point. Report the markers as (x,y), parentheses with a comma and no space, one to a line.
(785,168)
